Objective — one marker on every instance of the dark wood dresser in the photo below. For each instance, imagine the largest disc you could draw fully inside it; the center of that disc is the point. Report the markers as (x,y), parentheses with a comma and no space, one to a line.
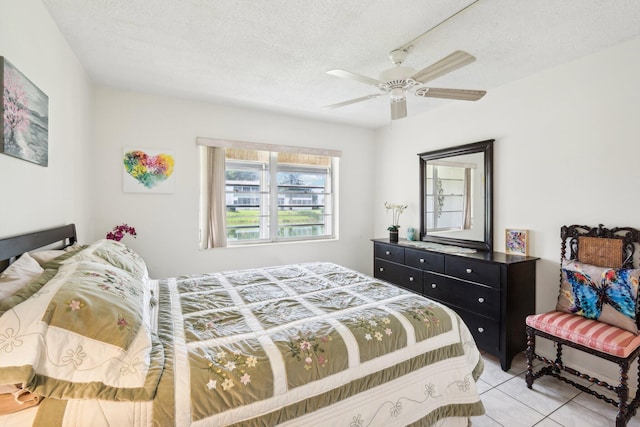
(493,292)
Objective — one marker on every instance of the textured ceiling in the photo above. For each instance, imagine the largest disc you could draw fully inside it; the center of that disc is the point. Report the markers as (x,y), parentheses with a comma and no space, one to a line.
(273,55)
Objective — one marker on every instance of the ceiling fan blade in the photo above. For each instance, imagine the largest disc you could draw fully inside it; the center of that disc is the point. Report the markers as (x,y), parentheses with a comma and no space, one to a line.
(461,94)
(352,101)
(457,59)
(399,109)
(353,76)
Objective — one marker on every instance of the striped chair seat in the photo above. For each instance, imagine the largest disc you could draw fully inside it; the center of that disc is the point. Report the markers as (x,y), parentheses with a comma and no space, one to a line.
(589,333)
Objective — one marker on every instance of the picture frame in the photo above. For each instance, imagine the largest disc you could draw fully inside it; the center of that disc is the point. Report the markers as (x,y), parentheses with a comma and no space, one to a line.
(24,127)
(516,241)
(147,170)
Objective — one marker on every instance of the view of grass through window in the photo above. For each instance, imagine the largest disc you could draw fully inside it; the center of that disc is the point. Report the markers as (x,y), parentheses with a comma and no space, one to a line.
(298,206)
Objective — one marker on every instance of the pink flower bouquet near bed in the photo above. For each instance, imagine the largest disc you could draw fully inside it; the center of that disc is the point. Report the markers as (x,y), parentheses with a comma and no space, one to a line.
(119,232)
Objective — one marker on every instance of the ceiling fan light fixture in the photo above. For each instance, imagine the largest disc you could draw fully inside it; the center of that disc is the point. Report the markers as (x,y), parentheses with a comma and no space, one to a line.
(398,108)
(397,94)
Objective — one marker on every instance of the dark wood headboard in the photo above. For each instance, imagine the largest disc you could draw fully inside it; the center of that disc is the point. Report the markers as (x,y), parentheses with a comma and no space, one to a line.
(11,247)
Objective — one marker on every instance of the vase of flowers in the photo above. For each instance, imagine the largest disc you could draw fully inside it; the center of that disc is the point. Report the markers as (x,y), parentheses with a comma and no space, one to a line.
(396,209)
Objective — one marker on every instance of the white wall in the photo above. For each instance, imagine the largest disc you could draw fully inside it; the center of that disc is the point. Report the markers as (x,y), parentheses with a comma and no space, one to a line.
(33,196)
(167,224)
(567,151)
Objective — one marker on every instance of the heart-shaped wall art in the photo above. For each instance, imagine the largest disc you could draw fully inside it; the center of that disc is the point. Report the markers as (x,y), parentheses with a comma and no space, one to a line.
(148,170)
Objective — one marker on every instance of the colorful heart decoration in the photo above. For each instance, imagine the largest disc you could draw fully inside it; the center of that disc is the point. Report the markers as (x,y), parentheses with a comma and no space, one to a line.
(148,170)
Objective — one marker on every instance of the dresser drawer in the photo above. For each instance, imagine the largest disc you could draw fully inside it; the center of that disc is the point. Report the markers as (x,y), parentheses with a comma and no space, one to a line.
(407,277)
(424,260)
(389,252)
(479,299)
(473,270)
(486,332)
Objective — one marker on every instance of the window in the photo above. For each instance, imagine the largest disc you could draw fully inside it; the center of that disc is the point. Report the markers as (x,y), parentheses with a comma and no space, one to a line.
(448,199)
(273,196)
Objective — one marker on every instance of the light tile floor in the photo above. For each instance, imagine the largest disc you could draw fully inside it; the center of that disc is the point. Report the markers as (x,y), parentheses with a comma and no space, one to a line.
(551,403)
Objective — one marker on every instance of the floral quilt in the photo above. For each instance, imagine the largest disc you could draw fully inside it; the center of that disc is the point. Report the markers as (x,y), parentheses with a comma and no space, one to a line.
(268,346)
(303,344)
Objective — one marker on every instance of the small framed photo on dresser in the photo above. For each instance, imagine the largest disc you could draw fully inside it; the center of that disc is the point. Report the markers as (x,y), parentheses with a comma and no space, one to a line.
(516,241)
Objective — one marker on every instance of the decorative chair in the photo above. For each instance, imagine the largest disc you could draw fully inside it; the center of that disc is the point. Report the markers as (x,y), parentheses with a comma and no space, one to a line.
(597,311)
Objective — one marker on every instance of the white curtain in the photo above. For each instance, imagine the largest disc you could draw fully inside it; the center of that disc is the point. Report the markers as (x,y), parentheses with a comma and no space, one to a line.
(467,200)
(214,224)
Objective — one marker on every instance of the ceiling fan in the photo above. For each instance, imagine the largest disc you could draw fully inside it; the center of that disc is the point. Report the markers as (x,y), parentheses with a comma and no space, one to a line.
(399,81)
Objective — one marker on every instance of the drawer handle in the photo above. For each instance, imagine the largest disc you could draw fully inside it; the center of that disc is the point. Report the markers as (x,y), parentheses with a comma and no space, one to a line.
(411,279)
(387,253)
(381,269)
(481,330)
(433,285)
(421,259)
(480,300)
(469,270)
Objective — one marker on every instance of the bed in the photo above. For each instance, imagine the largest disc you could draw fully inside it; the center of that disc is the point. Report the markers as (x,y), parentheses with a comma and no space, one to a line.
(87,338)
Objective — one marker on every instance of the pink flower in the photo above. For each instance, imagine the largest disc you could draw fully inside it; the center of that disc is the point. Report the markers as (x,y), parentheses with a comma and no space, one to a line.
(245,379)
(75,305)
(308,361)
(122,323)
(305,345)
(119,232)
(16,107)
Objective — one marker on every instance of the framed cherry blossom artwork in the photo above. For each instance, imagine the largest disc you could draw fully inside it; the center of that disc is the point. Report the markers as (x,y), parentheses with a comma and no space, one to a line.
(25,117)
(516,242)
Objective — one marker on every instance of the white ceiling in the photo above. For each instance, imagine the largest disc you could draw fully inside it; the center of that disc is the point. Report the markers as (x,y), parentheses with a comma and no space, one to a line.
(273,55)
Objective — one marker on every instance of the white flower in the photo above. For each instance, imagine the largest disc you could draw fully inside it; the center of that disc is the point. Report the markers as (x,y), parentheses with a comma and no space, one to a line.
(227,384)
(74,357)
(396,209)
(9,340)
(211,385)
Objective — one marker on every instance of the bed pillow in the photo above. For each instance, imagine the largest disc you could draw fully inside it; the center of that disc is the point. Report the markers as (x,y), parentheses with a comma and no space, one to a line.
(49,255)
(82,336)
(112,253)
(609,295)
(18,275)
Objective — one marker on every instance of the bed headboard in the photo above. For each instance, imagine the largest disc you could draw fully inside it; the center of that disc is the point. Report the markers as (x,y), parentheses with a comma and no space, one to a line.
(12,247)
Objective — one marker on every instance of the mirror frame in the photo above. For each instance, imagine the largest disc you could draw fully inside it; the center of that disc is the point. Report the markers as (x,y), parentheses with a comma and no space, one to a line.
(485,147)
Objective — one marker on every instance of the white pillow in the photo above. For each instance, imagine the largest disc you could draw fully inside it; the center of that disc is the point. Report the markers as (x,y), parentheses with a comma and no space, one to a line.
(45,256)
(18,275)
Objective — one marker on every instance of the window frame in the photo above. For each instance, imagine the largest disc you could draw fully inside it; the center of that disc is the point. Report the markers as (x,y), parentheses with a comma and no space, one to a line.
(269,192)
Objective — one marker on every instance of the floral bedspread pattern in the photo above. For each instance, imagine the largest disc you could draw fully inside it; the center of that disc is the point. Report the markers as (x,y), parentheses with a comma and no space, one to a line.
(318,331)
(304,344)
(81,334)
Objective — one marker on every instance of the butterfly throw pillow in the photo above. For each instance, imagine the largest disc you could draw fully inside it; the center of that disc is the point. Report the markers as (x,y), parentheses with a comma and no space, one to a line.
(609,295)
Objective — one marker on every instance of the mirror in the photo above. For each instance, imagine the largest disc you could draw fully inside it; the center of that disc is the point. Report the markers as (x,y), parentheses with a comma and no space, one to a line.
(456,195)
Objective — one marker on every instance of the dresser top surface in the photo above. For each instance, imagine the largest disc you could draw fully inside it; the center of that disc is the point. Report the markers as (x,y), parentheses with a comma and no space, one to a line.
(498,257)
